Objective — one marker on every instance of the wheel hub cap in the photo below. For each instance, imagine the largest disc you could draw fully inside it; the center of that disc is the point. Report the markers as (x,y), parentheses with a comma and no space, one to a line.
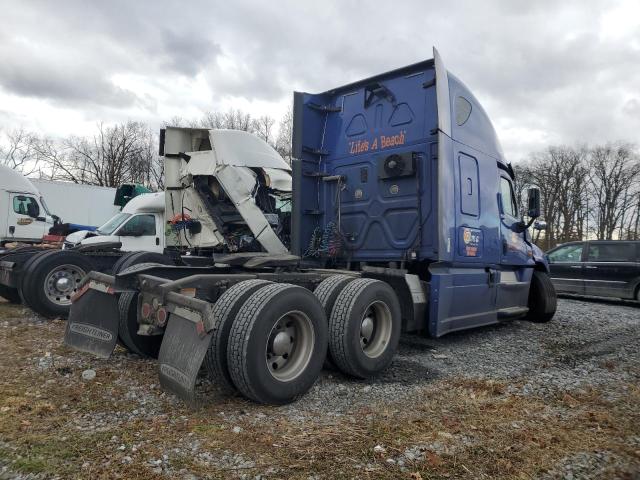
(375,329)
(289,346)
(63,283)
(282,343)
(366,328)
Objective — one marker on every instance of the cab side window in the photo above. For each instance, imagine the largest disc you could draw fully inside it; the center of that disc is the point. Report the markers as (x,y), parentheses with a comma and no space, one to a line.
(26,206)
(569,253)
(139,225)
(508,198)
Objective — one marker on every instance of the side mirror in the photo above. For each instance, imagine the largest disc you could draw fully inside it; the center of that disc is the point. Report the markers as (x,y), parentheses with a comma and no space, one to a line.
(533,203)
(540,225)
(33,210)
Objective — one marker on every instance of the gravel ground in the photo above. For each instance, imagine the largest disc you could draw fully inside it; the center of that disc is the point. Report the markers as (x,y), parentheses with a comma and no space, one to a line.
(441,403)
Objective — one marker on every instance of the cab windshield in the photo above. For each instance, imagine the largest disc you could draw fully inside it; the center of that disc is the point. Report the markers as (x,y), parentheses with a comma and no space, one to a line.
(111,226)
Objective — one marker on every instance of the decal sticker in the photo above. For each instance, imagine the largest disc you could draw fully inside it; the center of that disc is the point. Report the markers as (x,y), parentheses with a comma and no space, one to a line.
(25,221)
(378,143)
(471,242)
(357,194)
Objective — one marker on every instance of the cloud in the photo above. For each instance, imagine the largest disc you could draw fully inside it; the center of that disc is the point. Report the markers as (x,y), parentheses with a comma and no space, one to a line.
(546,72)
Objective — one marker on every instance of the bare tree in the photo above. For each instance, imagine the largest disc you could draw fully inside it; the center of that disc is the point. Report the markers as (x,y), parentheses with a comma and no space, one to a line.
(233,119)
(263,128)
(614,172)
(560,174)
(521,184)
(285,136)
(115,155)
(20,151)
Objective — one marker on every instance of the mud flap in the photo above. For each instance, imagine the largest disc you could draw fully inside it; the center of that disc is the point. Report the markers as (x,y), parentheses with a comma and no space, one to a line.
(183,348)
(93,323)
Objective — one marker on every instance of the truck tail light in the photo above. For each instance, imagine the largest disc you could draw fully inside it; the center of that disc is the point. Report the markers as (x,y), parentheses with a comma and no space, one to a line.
(161,316)
(145,311)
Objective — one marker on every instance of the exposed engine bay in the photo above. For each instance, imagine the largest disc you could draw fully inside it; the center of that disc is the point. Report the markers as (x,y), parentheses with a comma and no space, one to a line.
(226,191)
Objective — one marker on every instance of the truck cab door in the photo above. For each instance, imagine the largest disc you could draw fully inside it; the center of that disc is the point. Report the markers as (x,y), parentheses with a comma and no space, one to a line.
(140,233)
(515,255)
(26,218)
(514,248)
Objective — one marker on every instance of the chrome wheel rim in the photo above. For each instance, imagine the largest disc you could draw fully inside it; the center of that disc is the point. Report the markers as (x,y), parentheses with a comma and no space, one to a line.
(290,346)
(375,329)
(62,282)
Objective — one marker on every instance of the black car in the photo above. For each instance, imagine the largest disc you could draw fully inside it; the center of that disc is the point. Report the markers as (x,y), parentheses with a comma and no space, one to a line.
(604,268)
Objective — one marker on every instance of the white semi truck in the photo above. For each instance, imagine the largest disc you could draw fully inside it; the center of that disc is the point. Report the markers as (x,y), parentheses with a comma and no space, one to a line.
(24,214)
(138,227)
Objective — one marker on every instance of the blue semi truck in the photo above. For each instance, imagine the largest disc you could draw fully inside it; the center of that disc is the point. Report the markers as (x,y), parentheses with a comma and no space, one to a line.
(402,217)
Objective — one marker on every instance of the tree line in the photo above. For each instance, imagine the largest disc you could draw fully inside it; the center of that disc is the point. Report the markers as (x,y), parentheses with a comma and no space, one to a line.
(586,192)
(126,152)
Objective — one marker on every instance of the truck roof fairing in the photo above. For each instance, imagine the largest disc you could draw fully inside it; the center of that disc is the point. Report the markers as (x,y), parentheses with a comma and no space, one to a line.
(146,202)
(477,132)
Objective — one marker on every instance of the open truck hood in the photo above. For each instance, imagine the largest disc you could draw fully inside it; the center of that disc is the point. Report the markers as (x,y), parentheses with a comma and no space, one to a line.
(212,150)
(239,162)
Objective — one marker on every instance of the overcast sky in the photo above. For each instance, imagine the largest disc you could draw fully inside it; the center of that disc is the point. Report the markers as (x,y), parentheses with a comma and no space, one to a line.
(546,71)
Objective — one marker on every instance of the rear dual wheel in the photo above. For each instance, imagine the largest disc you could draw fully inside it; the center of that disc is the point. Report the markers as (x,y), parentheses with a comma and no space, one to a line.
(225,311)
(277,344)
(364,327)
(327,292)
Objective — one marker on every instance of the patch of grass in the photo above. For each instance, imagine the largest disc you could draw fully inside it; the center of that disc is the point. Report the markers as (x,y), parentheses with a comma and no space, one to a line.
(456,428)
(30,465)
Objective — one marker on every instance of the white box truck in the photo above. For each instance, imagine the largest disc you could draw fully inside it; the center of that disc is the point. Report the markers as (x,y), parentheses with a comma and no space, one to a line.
(76,203)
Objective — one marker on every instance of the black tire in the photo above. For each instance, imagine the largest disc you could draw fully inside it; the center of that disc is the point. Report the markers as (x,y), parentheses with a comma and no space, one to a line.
(23,288)
(115,269)
(225,311)
(327,291)
(252,332)
(542,298)
(116,266)
(38,281)
(10,294)
(143,345)
(136,258)
(347,345)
